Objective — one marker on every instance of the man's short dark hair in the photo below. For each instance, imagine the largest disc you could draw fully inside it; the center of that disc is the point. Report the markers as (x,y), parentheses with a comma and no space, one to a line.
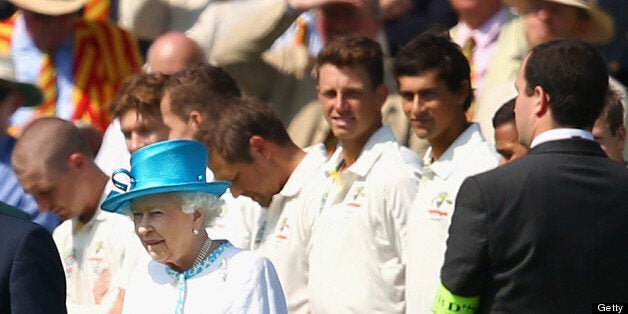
(613,113)
(234,124)
(434,50)
(505,113)
(355,50)
(199,87)
(575,77)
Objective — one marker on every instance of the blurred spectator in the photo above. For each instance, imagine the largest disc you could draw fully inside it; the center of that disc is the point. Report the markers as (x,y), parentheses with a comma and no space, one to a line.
(491,37)
(149,19)
(283,66)
(169,54)
(402,25)
(79,64)
(172,52)
(616,52)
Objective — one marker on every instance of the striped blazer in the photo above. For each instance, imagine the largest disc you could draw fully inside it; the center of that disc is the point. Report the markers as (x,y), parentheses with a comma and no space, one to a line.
(103,56)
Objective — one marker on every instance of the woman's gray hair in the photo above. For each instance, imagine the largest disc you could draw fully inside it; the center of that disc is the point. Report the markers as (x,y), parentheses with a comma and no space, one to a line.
(211,205)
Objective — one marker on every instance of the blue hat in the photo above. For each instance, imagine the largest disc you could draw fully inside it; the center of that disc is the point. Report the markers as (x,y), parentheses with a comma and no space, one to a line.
(163,167)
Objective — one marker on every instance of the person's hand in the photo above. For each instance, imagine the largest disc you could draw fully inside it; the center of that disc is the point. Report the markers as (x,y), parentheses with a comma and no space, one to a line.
(102,285)
(395,8)
(301,6)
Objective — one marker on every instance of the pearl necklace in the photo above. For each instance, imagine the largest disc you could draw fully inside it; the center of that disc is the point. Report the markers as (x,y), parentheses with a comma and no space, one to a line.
(203,253)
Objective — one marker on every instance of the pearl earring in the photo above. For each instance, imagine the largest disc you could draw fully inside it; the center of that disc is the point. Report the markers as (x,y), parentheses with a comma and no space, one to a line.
(195,231)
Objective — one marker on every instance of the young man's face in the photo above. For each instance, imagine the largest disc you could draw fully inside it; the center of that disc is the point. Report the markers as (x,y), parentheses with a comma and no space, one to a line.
(431,106)
(257,179)
(507,143)
(178,128)
(55,191)
(351,105)
(525,119)
(612,144)
(140,130)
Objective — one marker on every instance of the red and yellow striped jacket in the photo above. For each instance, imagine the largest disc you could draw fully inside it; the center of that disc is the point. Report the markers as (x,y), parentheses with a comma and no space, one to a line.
(97,10)
(103,56)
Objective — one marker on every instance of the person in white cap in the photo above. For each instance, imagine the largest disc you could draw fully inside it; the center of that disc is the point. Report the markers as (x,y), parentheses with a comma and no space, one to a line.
(14,94)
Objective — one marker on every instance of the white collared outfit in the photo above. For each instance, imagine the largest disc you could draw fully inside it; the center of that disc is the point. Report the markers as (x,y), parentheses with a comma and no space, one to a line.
(107,243)
(430,215)
(561,134)
(277,240)
(355,233)
(238,281)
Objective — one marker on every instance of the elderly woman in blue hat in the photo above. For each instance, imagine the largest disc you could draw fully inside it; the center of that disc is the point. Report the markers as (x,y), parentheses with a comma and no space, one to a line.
(171,203)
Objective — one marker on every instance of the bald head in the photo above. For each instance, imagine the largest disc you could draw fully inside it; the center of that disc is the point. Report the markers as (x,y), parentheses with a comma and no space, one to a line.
(49,142)
(172,52)
(54,163)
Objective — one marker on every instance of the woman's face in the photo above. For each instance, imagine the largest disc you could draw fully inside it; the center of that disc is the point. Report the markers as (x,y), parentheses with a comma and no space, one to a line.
(165,230)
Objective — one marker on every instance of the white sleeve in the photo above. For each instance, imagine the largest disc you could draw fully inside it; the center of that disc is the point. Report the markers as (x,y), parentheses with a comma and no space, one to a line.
(263,292)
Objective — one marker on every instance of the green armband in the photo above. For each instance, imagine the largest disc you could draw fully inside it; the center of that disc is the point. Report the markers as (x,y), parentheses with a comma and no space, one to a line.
(449,303)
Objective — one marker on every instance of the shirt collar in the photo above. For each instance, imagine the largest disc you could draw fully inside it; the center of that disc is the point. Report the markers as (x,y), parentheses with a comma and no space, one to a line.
(455,153)
(560,134)
(99,215)
(371,151)
(486,33)
(313,160)
(21,41)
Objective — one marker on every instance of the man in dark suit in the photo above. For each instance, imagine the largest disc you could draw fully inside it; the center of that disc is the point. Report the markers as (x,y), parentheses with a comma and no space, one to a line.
(30,268)
(547,232)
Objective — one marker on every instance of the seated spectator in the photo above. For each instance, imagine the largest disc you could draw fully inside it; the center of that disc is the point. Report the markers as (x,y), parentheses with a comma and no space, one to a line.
(78,64)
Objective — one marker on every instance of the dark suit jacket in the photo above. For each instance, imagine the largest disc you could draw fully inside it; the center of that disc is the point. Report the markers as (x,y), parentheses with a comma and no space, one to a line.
(547,233)
(31,274)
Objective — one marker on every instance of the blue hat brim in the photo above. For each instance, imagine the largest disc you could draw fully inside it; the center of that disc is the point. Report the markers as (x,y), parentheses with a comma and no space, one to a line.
(115,199)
